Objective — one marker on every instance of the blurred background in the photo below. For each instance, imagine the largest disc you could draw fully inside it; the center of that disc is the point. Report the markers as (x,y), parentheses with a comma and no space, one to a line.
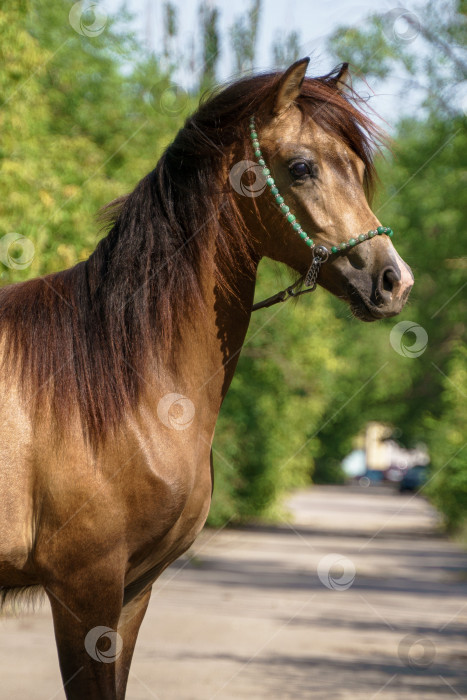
(334,577)
(91,93)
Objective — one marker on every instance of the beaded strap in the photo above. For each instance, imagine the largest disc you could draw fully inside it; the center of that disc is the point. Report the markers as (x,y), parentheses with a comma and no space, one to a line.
(291,218)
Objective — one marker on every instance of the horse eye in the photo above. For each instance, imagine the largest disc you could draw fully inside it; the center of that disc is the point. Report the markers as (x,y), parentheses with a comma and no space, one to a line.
(300,169)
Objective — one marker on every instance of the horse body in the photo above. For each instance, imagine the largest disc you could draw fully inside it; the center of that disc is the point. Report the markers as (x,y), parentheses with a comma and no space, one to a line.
(150,483)
(103,482)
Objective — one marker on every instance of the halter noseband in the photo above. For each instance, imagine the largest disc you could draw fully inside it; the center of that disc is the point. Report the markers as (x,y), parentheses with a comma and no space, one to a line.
(320,252)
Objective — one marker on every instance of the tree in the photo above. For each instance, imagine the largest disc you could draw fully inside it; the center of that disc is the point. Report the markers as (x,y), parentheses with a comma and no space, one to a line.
(243,35)
(423,198)
(286,50)
(209,17)
(170,23)
(427,49)
(75,128)
(447,486)
(288,374)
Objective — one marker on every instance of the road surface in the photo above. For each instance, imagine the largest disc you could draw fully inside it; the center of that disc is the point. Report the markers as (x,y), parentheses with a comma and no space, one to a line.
(356,596)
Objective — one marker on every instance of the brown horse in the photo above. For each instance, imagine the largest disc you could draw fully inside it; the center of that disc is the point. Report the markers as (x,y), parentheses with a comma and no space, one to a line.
(114,371)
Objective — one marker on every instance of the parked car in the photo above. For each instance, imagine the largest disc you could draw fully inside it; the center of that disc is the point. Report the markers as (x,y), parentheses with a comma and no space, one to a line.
(414,479)
(394,474)
(371,477)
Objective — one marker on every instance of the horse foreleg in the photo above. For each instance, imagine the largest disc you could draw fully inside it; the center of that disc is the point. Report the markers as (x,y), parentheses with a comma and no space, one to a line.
(86,612)
(128,627)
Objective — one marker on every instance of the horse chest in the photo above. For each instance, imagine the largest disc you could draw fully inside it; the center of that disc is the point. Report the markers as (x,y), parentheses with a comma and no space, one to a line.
(165,513)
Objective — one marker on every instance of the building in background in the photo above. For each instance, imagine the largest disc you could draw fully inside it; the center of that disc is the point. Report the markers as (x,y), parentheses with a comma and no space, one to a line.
(380,456)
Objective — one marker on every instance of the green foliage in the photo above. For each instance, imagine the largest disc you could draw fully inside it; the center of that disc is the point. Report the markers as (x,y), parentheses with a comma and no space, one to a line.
(286,50)
(243,36)
(447,486)
(209,17)
(423,197)
(76,131)
(426,50)
(360,47)
(170,19)
(287,375)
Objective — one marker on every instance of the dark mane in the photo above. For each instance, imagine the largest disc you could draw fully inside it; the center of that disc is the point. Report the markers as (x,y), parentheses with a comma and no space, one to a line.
(80,338)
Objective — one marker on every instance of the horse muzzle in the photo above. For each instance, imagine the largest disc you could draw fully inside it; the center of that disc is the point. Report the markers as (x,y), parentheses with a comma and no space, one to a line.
(383,295)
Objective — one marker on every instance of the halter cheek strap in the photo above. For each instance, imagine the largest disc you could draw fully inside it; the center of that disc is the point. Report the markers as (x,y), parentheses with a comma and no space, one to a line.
(320,253)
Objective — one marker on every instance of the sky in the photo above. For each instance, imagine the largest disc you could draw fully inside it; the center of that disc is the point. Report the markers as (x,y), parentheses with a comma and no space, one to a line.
(314,20)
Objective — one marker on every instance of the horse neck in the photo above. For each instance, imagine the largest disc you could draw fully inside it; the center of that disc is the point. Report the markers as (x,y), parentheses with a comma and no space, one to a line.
(211,340)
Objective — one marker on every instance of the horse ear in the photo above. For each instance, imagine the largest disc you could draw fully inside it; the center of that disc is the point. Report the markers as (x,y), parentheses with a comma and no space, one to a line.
(289,85)
(343,78)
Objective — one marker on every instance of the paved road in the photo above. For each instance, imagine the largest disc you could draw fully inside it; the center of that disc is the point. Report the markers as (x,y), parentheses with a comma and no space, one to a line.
(267,613)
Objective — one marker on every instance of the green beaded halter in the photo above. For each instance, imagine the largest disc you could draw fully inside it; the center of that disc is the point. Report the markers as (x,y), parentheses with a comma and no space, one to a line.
(320,252)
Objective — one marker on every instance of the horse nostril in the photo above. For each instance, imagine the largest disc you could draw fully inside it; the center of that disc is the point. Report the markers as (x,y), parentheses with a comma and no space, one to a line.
(388,279)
